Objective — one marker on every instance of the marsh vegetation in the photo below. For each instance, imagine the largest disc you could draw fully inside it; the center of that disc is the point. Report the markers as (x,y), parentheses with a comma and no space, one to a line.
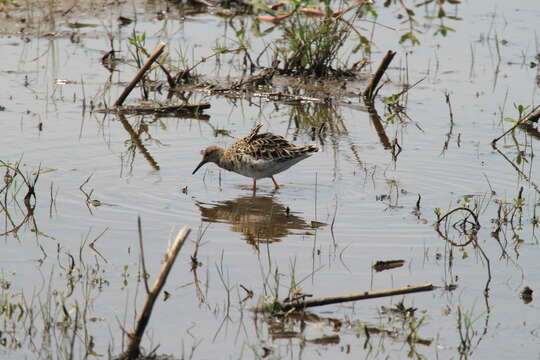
(415,225)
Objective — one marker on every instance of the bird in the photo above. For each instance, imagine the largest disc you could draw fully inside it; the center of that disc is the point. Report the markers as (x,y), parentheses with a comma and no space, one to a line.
(257,156)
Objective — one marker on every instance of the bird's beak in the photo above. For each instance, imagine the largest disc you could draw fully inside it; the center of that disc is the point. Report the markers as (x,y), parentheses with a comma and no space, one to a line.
(198,166)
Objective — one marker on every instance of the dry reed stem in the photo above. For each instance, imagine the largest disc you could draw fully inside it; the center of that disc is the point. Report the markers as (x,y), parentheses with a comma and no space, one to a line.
(151,59)
(135,336)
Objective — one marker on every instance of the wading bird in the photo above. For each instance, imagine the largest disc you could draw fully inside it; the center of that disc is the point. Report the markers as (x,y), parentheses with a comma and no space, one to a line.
(257,156)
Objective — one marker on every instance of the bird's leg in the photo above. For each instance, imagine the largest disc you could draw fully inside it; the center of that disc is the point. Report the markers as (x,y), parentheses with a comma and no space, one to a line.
(275,183)
(254,184)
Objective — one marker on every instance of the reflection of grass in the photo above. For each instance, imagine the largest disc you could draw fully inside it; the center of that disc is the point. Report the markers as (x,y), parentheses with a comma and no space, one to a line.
(59,316)
(467,333)
(10,204)
(402,323)
(317,117)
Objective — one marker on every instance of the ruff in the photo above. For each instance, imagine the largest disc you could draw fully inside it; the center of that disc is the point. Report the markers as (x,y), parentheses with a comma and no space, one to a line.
(257,156)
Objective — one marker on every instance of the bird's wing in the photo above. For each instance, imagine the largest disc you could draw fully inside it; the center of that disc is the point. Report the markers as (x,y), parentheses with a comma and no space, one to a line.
(268,146)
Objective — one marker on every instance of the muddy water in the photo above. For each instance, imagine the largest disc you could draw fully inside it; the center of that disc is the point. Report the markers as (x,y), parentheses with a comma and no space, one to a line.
(354,183)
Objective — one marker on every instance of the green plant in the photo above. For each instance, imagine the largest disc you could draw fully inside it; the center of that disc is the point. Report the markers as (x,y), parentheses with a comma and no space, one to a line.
(139,53)
(311,46)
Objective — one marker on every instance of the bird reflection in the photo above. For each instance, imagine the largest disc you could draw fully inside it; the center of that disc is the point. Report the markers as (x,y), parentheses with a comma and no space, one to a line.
(261,219)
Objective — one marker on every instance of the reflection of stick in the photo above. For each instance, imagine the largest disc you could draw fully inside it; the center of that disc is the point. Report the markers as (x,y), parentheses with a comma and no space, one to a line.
(368,92)
(460,209)
(353,297)
(153,57)
(377,123)
(133,351)
(476,225)
(531,117)
(520,172)
(137,141)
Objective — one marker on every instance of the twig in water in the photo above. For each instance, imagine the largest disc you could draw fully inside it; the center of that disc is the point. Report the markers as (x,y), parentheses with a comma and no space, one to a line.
(458,209)
(333,222)
(451,130)
(352,297)
(145,273)
(447,99)
(93,246)
(151,59)
(476,226)
(368,92)
(532,116)
(386,265)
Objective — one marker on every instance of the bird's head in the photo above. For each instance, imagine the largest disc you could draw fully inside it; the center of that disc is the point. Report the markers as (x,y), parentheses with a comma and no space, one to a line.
(210,154)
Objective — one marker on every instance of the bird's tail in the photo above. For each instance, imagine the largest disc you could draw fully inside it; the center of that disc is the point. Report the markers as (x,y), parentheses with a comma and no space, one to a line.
(253,133)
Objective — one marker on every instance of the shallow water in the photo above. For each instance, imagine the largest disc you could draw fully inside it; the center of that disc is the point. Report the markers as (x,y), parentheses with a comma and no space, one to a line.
(337,213)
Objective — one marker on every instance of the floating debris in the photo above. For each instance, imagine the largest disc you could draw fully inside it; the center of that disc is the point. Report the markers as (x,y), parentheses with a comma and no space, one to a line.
(387,265)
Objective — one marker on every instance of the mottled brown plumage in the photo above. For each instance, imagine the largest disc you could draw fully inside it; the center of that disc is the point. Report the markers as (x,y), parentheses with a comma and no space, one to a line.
(257,155)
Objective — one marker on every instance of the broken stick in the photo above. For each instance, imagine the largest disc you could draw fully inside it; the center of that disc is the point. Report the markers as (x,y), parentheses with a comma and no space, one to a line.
(352,297)
(151,59)
(135,336)
(533,116)
(370,89)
